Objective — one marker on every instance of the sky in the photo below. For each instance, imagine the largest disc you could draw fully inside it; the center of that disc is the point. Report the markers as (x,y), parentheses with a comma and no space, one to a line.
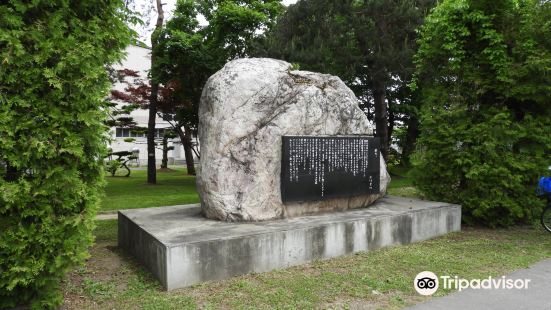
(147,7)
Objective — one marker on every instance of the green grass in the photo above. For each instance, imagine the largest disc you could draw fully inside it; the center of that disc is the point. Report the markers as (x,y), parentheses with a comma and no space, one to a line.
(106,231)
(398,182)
(380,279)
(172,188)
(401,183)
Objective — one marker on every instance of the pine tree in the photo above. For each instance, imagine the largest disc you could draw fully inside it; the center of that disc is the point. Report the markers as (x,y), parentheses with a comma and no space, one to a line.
(368,44)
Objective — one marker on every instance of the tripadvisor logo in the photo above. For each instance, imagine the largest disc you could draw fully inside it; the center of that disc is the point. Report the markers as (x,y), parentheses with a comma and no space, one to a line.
(426,283)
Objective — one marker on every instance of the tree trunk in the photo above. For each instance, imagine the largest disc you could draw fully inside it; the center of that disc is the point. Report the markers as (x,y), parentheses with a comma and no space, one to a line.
(381,116)
(164,162)
(151,166)
(411,138)
(185,138)
(194,149)
(188,151)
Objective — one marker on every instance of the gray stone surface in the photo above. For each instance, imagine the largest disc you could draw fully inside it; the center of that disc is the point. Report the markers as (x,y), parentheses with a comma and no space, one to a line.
(536,297)
(245,109)
(181,248)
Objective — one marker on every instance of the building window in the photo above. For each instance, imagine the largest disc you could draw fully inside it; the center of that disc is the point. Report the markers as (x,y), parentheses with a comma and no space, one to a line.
(159,132)
(127,132)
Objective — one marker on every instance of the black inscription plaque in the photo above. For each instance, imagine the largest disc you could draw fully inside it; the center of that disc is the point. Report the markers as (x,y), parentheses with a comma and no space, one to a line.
(319,167)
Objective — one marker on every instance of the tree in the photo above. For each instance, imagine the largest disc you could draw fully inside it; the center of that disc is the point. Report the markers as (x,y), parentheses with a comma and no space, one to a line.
(191,53)
(371,51)
(138,94)
(151,161)
(165,107)
(167,134)
(184,55)
(53,82)
(177,114)
(483,69)
(119,115)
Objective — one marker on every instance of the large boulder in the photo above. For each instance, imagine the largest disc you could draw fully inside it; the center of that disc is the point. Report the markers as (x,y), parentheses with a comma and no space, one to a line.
(245,109)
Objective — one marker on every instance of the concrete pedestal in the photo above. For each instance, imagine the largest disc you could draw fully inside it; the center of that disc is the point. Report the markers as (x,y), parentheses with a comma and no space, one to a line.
(182,248)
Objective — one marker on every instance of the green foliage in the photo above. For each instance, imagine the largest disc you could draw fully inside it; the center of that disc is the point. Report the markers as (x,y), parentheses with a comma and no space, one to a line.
(111,166)
(371,52)
(53,83)
(234,25)
(484,71)
(189,53)
(118,166)
(316,35)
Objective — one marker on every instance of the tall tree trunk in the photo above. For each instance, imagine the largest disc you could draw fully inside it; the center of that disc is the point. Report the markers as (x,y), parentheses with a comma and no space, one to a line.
(411,138)
(164,162)
(151,166)
(185,137)
(381,116)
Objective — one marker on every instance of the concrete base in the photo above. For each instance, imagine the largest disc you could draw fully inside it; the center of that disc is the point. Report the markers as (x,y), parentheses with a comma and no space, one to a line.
(182,248)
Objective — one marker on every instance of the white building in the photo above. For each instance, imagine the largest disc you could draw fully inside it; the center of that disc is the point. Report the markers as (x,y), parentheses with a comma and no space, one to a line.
(139,59)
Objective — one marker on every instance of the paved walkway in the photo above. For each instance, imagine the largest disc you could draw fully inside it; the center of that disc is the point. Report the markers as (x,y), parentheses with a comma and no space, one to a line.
(537,296)
(107,216)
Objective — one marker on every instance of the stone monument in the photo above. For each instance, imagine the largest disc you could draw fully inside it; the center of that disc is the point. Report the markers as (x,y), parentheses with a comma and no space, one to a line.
(283,147)
(246,108)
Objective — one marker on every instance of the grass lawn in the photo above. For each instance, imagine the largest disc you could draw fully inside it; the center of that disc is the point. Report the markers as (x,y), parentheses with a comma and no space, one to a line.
(401,183)
(172,188)
(380,279)
(383,278)
(176,188)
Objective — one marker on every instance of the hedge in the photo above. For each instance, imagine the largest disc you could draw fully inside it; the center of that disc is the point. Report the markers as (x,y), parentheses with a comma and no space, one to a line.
(53,81)
(484,71)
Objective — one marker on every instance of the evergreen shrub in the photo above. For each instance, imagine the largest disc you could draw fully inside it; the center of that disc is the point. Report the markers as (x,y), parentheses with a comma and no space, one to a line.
(53,84)
(484,71)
